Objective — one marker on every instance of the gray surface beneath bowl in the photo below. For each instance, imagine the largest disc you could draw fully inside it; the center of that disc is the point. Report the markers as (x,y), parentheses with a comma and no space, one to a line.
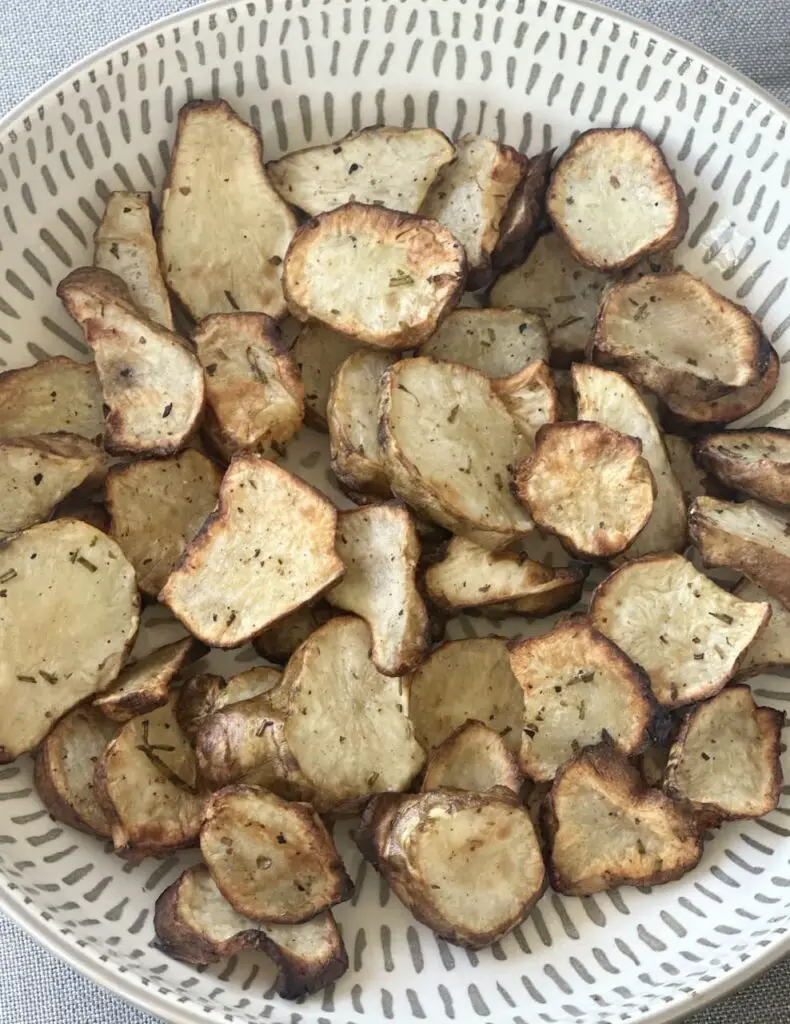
(40,38)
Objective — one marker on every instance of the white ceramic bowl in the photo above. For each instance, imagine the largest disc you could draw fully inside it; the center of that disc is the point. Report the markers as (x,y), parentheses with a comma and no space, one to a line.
(533,73)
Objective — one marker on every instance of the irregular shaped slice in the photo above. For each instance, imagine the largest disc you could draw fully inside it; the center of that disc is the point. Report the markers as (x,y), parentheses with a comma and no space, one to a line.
(380,166)
(55,394)
(157,507)
(151,383)
(578,689)
(754,461)
(473,758)
(36,473)
(380,550)
(147,782)
(614,199)
(686,632)
(691,478)
(224,230)
(466,680)
(471,196)
(749,537)
(269,548)
(450,445)
(531,398)
(434,849)
(607,829)
(271,860)
(497,342)
(726,760)
(499,583)
(64,767)
(554,286)
(195,923)
(124,244)
(347,724)
(381,277)
(353,417)
(609,398)
(674,335)
(770,650)
(145,684)
(202,695)
(318,352)
(278,642)
(252,382)
(69,611)
(524,215)
(589,485)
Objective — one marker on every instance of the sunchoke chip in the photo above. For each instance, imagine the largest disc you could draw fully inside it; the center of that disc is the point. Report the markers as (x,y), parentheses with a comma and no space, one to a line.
(579,689)
(381,277)
(531,398)
(145,684)
(380,166)
(434,849)
(614,199)
(692,479)
(157,507)
(726,760)
(754,461)
(499,583)
(771,649)
(749,537)
(202,695)
(124,244)
(685,631)
(272,860)
(473,758)
(607,829)
(347,725)
(69,611)
(195,923)
(589,485)
(497,342)
(524,216)
(318,352)
(55,394)
(450,446)
(278,642)
(269,548)
(224,230)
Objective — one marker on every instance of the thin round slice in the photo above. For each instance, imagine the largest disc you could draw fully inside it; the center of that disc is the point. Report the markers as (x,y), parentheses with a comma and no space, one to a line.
(55,394)
(771,649)
(202,695)
(145,684)
(497,342)
(531,397)
(473,758)
(318,352)
(754,461)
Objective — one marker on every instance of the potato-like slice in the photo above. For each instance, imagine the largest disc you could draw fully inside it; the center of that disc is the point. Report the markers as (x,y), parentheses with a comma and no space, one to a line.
(450,445)
(272,860)
(609,398)
(607,829)
(253,385)
(380,550)
(531,398)
(347,724)
(524,215)
(771,648)
(589,485)
(195,923)
(749,537)
(754,461)
(157,507)
(64,769)
(278,642)
(145,684)
(578,690)
(124,244)
(466,680)
(726,760)
(69,612)
(497,342)
(379,166)
(353,417)
(687,473)
(202,695)
(553,285)
(151,383)
(685,631)
(674,335)
(36,473)
(224,230)
(471,196)
(499,583)
(381,277)
(318,352)
(473,758)
(86,507)
(53,395)
(269,548)
(435,848)
(147,782)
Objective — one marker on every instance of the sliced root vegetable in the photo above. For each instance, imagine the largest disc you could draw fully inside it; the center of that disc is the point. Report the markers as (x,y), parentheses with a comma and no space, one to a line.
(531,398)
(145,684)
(278,642)
(204,694)
(473,758)
(693,481)
(524,216)
(318,352)
(55,394)
(497,342)
(754,461)
(770,650)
